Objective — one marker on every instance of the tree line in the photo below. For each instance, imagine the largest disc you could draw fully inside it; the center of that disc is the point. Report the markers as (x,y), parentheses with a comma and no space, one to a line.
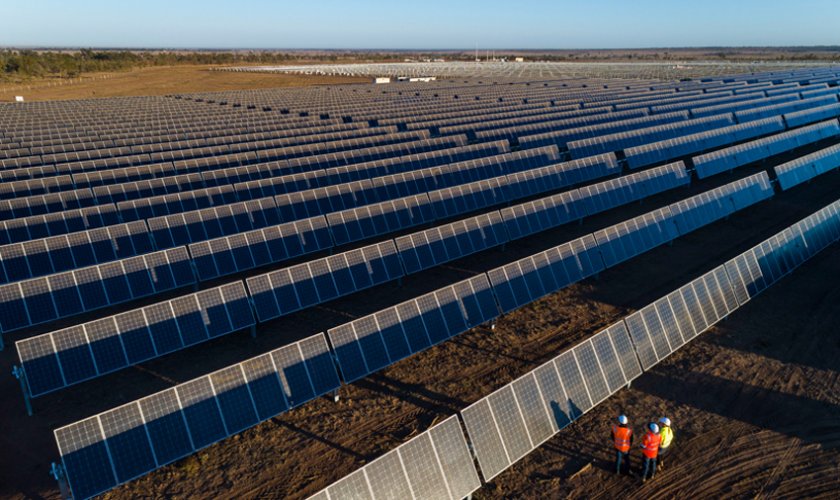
(24,64)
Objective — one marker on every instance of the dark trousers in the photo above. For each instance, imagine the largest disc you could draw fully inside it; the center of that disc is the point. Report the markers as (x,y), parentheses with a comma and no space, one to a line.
(650,463)
(622,458)
(661,456)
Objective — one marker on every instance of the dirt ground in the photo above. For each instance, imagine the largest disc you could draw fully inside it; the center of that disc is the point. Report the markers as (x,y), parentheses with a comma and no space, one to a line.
(754,401)
(165,80)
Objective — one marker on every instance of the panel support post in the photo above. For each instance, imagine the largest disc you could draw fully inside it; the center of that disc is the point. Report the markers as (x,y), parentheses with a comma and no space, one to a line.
(400,282)
(253,331)
(24,387)
(629,384)
(335,396)
(57,471)
(1,342)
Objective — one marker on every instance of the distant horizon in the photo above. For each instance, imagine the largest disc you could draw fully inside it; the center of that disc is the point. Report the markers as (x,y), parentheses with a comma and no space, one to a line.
(419,49)
(430,25)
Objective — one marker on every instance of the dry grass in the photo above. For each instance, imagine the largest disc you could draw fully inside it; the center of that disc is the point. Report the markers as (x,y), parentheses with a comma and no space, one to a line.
(168,80)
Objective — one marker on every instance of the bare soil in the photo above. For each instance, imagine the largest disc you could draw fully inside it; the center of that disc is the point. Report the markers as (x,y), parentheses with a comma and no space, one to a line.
(164,80)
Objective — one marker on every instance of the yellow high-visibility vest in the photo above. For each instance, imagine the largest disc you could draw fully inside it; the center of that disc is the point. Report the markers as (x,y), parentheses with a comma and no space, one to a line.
(667,436)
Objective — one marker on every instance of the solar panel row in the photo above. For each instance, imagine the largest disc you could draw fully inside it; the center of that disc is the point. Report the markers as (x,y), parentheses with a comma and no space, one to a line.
(435,464)
(622,140)
(516,419)
(805,168)
(649,154)
(727,159)
(129,441)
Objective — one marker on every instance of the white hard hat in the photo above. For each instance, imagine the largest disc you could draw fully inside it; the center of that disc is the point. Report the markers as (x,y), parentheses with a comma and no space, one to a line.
(622,419)
(665,421)
(653,428)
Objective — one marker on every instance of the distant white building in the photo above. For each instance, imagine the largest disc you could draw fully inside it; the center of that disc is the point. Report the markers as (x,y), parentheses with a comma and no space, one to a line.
(381,79)
(519,59)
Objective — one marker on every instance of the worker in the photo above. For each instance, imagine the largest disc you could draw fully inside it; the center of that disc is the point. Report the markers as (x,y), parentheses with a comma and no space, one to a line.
(666,442)
(650,449)
(622,436)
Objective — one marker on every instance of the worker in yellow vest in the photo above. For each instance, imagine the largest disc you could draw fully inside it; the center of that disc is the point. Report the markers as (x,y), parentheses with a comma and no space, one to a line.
(666,443)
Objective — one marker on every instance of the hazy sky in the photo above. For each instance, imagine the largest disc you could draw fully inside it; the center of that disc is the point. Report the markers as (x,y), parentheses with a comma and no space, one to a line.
(432,24)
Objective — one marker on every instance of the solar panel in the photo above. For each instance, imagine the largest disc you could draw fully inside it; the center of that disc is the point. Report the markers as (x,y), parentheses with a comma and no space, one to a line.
(435,246)
(742,154)
(528,279)
(522,415)
(240,252)
(807,167)
(41,300)
(72,355)
(291,289)
(465,198)
(209,223)
(119,445)
(652,153)
(373,220)
(435,464)
(592,371)
(538,215)
(628,239)
(365,345)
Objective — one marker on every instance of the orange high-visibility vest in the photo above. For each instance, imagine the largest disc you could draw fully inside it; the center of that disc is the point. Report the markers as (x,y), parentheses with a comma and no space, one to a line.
(650,444)
(621,438)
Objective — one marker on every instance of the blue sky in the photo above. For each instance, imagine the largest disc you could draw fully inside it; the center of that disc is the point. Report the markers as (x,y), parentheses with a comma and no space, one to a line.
(432,24)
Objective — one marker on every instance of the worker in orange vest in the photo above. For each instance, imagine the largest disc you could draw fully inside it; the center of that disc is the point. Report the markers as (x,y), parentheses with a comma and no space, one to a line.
(650,450)
(622,436)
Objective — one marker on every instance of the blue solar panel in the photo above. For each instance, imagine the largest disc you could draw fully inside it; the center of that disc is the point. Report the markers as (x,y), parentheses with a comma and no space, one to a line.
(372,220)
(173,203)
(622,190)
(707,207)
(805,168)
(736,156)
(466,198)
(562,137)
(432,247)
(371,343)
(623,140)
(69,356)
(209,223)
(539,215)
(240,252)
(41,300)
(287,290)
(655,152)
(42,257)
(630,238)
(42,226)
(756,113)
(531,278)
